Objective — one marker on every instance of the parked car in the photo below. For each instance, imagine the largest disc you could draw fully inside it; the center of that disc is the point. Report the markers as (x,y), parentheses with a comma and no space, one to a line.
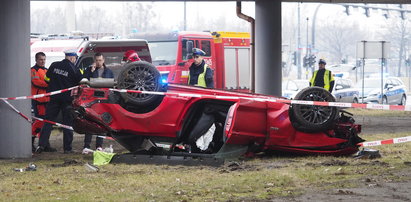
(224,121)
(290,88)
(394,91)
(344,91)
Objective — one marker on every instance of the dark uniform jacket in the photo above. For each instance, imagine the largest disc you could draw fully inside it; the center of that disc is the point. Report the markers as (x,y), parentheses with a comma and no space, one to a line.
(62,75)
(107,73)
(197,70)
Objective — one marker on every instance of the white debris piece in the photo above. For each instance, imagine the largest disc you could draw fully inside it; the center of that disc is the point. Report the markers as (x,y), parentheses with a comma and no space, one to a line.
(203,142)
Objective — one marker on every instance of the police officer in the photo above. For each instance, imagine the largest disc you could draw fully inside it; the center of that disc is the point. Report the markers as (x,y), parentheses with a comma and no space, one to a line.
(322,77)
(200,73)
(61,75)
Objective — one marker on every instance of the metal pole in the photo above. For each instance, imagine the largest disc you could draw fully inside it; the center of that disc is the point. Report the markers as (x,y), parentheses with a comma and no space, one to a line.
(185,15)
(382,69)
(307,53)
(313,27)
(298,44)
(363,71)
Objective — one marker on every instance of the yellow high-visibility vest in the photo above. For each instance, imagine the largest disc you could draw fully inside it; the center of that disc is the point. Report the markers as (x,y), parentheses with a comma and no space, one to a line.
(201,78)
(327,79)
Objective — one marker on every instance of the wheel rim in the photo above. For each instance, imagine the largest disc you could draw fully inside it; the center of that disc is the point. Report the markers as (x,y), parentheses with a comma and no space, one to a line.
(139,77)
(316,114)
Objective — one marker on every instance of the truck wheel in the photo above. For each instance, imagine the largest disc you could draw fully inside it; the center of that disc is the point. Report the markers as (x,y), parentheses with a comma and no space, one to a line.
(141,76)
(309,118)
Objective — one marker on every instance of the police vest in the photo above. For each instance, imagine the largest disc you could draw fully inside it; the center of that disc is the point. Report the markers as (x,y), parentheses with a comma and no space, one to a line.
(326,79)
(201,78)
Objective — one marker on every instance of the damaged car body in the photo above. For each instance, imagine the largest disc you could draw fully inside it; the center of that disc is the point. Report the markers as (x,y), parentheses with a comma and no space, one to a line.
(215,123)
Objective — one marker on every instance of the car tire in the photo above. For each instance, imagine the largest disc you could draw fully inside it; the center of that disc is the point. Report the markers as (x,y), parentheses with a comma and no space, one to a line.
(384,100)
(142,76)
(403,100)
(310,118)
(355,100)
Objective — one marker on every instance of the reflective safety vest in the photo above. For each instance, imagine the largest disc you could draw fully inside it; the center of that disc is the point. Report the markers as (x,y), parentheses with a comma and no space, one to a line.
(327,79)
(38,83)
(201,78)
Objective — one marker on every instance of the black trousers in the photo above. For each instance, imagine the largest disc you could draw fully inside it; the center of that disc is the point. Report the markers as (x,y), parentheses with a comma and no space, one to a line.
(52,110)
(87,141)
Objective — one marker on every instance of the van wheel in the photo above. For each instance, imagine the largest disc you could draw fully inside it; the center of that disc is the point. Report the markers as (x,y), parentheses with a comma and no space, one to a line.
(141,76)
(310,118)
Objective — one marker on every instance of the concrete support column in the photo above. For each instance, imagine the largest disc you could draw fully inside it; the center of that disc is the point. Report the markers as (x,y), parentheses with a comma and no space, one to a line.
(268,47)
(15,132)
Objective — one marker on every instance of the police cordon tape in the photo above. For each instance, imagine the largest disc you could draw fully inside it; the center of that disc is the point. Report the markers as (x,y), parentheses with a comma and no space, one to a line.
(276,100)
(388,141)
(303,102)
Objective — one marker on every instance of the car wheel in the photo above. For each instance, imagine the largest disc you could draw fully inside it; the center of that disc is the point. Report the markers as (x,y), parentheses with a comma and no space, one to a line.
(403,100)
(384,100)
(355,100)
(141,76)
(309,118)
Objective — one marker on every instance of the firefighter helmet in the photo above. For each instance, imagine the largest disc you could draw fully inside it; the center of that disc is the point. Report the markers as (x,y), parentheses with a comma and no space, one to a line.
(131,56)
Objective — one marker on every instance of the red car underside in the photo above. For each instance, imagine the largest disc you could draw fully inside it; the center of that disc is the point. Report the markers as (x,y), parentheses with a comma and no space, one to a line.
(261,125)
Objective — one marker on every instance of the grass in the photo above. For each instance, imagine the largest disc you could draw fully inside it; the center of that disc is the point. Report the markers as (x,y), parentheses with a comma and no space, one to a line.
(260,178)
(373,112)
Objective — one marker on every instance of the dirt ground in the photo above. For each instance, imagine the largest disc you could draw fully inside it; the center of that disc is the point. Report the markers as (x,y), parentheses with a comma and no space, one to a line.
(375,188)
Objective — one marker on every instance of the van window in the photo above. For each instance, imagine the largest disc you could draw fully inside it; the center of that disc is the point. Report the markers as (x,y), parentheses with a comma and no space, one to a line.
(206,47)
(85,62)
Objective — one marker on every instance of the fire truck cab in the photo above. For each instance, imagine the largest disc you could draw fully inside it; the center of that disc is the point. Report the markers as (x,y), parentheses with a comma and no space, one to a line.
(227,53)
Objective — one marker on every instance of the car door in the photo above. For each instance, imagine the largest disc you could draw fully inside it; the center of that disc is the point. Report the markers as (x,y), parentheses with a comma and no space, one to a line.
(389,91)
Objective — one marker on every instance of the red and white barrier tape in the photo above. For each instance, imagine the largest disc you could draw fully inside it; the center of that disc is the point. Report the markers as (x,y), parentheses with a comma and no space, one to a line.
(54,123)
(269,99)
(105,137)
(17,111)
(39,95)
(389,141)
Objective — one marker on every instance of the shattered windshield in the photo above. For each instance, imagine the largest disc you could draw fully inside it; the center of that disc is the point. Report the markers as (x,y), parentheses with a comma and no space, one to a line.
(163,52)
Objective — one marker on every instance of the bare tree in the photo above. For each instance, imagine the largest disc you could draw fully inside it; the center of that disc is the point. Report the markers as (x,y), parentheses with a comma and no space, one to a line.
(339,39)
(48,21)
(138,17)
(397,32)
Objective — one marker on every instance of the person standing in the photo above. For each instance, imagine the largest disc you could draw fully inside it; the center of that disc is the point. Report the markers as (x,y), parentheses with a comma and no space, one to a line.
(97,70)
(322,77)
(200,73)
(61,75)
(38,86)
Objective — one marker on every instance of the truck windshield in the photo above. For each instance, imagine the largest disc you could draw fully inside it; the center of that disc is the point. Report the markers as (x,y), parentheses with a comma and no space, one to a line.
(163,52)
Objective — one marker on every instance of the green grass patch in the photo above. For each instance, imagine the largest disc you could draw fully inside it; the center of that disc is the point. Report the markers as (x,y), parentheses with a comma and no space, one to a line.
(261,178)
(374,112)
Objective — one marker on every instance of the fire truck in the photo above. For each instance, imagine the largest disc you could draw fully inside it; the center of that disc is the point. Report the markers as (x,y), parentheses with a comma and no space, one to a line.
(227,53)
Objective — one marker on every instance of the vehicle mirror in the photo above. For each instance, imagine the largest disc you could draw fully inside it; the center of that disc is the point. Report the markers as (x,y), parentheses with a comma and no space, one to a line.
(388,86)
(338,87)
(189,47)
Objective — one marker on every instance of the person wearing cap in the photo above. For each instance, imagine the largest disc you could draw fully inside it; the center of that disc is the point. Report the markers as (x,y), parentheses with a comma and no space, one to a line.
(38,86)
(322,77)
(61,75)
(97,70)
(200,73)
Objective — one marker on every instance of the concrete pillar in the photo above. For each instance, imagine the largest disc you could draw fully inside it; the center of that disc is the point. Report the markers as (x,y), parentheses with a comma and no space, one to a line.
(15,132)
(268,47)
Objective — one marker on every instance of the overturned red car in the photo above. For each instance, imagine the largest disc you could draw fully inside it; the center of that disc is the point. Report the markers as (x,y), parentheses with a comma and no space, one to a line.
(216,123)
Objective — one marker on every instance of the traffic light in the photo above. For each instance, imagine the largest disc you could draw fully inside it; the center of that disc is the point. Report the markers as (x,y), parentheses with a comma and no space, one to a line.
(312,60)
(295,58)
(306,61)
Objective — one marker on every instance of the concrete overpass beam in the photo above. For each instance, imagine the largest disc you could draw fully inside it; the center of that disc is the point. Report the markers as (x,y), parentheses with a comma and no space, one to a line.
(15,132)
(268,47)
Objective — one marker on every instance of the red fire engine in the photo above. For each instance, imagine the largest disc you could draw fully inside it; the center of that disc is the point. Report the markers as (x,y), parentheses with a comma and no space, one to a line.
(228,54)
